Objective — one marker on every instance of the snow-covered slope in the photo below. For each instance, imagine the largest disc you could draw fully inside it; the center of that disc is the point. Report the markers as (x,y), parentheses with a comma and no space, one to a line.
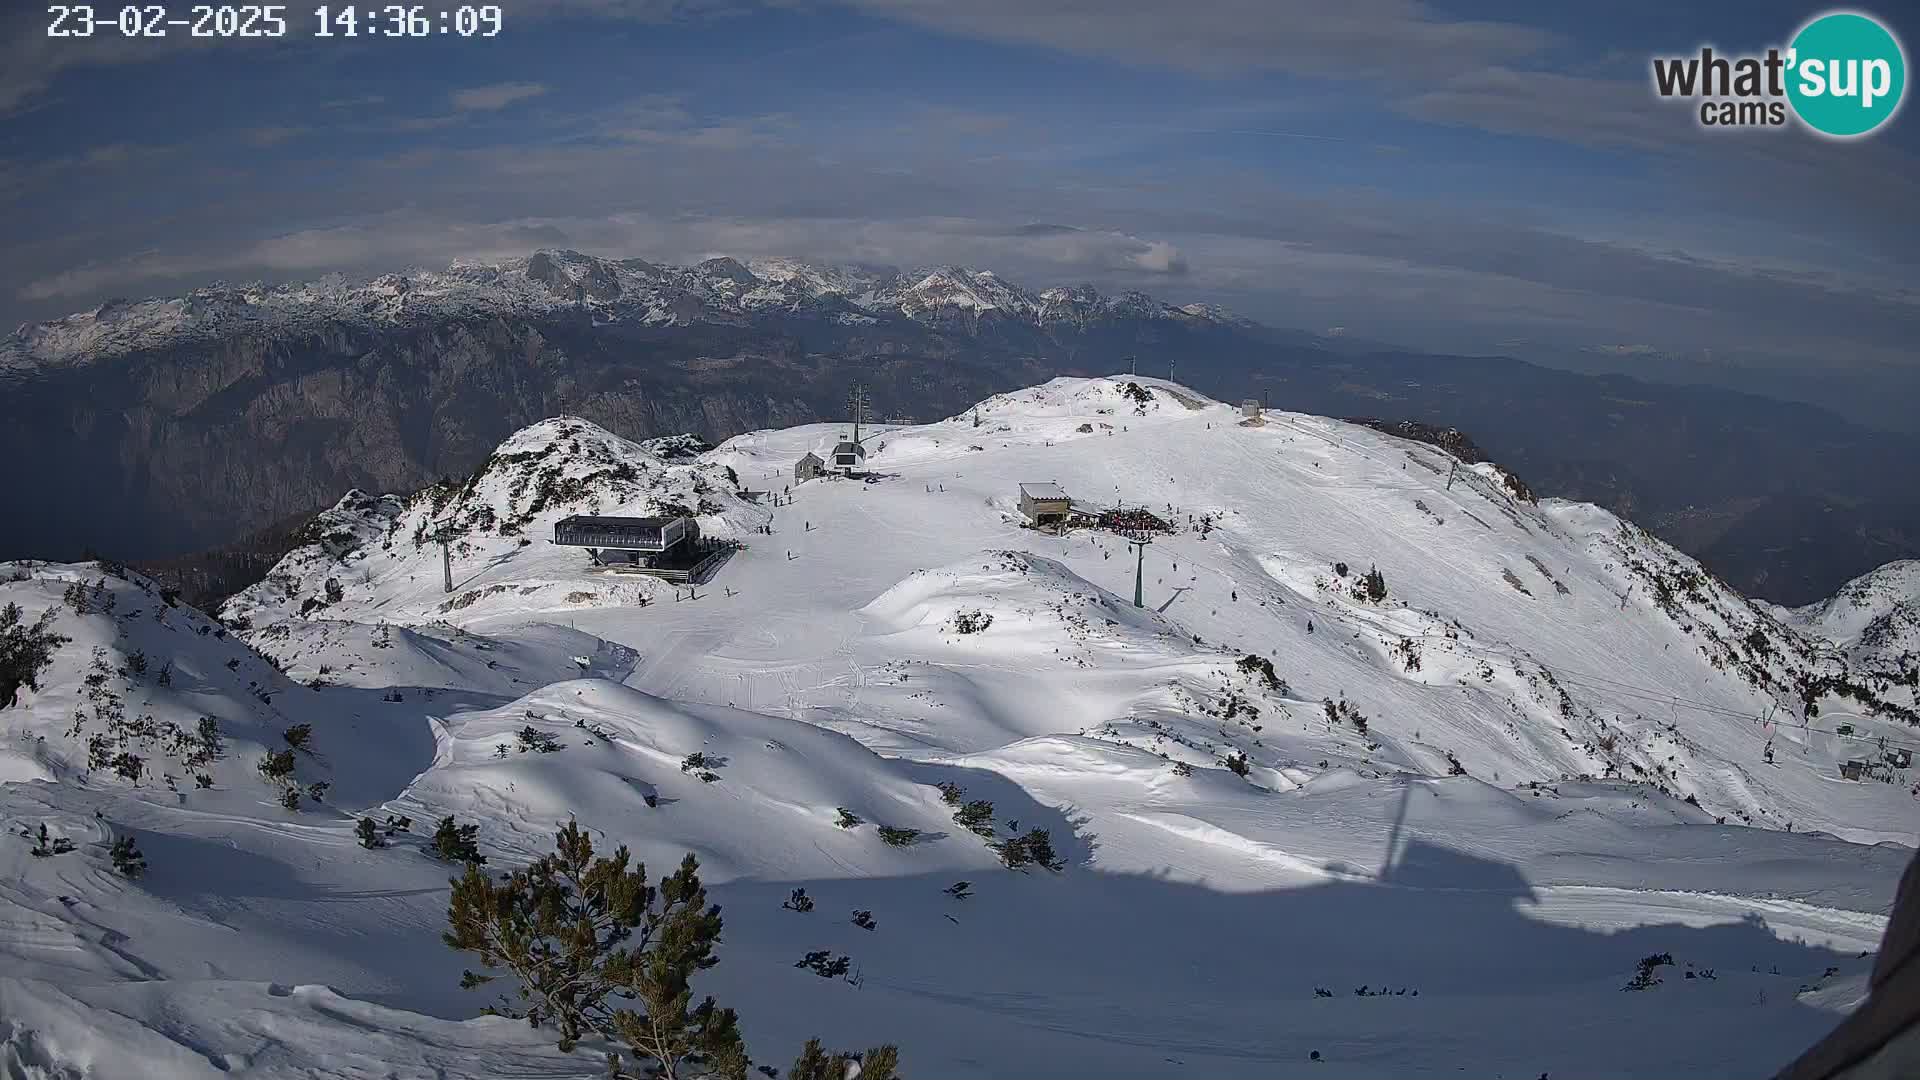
(721,290)
(1538,758)
(1875,617)
(378,559)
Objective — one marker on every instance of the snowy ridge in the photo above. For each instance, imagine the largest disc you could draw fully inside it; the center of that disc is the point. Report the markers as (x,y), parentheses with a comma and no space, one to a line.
(635,291)
(1268,785)
(1875,615)
(379,556)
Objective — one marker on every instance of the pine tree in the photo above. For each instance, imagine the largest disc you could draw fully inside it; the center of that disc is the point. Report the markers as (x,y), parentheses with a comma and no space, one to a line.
(588,943)
(880,1063)
(45,846)
(976,817)
(25,651)
(127,857)
(277,767)
(454,842)
(1035,847)
(1374,586)
(815,1063)
(210,740)
(369,834)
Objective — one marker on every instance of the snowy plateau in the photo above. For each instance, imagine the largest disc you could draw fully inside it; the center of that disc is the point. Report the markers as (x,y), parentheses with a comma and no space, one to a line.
(1306,827)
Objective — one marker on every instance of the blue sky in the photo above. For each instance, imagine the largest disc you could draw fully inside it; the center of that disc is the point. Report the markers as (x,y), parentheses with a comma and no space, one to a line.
(1487,177)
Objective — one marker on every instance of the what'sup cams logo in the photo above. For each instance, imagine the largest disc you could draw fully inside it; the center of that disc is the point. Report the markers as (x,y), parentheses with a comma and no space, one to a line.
(1843,76)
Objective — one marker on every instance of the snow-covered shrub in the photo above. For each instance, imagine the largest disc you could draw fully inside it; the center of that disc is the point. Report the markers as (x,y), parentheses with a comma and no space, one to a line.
(1262,667)
(454,842)
(1034,847)
(540,742)
(1644,978)
(127,858)
(44,845)
(823,963)
(277,767)
(1372,588)
(626,981)
(1407,651)
(25,651)
(815,1063)
(976,817)
(971,622)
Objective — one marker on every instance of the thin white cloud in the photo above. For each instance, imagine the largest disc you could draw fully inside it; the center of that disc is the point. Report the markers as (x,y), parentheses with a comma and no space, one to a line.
(1372,38)
(274,135)
(1161,258)
(496,96)
(1374,263)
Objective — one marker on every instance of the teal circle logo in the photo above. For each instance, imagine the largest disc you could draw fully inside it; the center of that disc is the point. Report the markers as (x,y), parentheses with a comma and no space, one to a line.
(1846,74)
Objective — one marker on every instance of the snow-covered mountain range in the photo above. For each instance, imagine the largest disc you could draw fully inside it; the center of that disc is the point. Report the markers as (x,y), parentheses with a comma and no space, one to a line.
(634,291)
(1313,820)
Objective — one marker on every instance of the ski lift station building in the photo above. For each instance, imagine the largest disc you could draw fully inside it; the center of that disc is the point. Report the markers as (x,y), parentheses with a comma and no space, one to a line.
(1045,503)
(611,538)
(809,467)
(849,455)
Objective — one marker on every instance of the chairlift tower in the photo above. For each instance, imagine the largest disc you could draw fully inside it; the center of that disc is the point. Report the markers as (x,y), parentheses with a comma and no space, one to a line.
(444,537)
(1139,539)
(857,405)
